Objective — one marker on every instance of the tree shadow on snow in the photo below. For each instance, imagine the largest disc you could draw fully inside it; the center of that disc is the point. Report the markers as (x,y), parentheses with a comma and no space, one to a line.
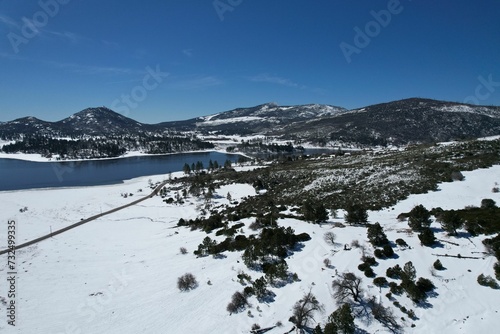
(220,256)
(360,331)
(298,247)
(268,298)
(425,305)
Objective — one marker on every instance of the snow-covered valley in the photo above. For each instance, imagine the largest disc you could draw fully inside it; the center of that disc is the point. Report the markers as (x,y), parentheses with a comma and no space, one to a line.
(118,274)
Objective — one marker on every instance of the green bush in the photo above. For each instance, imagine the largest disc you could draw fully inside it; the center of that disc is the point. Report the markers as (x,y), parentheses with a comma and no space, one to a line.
(380,281)
(395,288)
(427,237)
(369,272)
(496,267)
(363,266)
(379,254)
(394,272)
(370,261)
(248,291)
(401,243)
(388,251)
(438,265)
(487,281)
(425,285)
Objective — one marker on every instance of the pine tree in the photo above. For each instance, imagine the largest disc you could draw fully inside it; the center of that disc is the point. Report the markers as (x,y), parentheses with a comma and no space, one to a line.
(341,321)
(427,237)
(451,221)
(376,235)
(356,214)
(314,211)
(409,272)
(186,169)
(419,218)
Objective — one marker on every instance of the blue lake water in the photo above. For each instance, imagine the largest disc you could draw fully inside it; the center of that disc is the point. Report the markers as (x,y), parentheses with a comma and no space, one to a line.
(19,174)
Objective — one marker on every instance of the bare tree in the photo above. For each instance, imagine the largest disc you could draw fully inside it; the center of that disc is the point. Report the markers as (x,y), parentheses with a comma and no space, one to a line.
(304,309)
(330,238)
(238,303)
(384,315)
(348,285)
(187,282)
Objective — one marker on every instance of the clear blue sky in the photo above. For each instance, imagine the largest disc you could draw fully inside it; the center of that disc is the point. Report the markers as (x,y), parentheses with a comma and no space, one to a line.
(94,53)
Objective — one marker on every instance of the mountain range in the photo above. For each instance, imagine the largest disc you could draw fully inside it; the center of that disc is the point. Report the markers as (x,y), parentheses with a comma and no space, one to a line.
(413,120)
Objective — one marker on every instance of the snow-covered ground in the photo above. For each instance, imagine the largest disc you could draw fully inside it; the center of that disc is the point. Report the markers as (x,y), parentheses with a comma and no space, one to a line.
(118,274)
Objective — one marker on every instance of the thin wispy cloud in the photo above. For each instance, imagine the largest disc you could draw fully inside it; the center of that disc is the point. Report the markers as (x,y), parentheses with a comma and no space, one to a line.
(65,36)
(198,83)
(78,68)
(275,80)
(11,56)
(90,69)
(9,22)
(188,52)
(140,53)
(16,27)
(110,44)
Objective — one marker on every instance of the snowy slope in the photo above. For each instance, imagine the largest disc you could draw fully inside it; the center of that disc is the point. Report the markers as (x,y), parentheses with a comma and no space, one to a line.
(118,274)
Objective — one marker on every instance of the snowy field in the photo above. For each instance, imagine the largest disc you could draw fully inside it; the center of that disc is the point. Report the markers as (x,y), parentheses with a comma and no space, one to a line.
(118,274)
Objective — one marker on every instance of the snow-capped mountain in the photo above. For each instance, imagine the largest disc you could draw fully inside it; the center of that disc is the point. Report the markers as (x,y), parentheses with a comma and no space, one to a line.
(399,122)
(263,118)
(27,125)
(99,121)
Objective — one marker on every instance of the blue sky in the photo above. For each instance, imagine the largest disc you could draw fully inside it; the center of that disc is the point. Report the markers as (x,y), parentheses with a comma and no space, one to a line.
(208,56)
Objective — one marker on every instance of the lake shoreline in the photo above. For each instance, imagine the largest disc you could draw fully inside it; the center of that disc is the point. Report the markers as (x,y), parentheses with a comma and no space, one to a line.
(24,174)
(35,157)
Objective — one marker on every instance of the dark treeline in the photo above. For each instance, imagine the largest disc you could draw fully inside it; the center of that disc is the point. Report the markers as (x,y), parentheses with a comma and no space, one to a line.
(248,146)
(103,147)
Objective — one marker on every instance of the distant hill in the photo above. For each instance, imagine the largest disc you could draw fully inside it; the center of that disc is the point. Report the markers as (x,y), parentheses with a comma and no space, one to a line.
(400,122)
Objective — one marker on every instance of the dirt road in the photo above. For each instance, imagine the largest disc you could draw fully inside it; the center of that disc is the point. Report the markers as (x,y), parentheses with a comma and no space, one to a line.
(85,221)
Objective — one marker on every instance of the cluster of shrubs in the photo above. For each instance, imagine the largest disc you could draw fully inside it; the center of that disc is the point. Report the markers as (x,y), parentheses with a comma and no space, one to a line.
(229,232)
(238,303)
(211,247)
(385,252)
(366,266)
(205,224)
(487,281)
(410,312)
(415,289)
(271,242)
(380,281)
(258,288)
(377,238)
